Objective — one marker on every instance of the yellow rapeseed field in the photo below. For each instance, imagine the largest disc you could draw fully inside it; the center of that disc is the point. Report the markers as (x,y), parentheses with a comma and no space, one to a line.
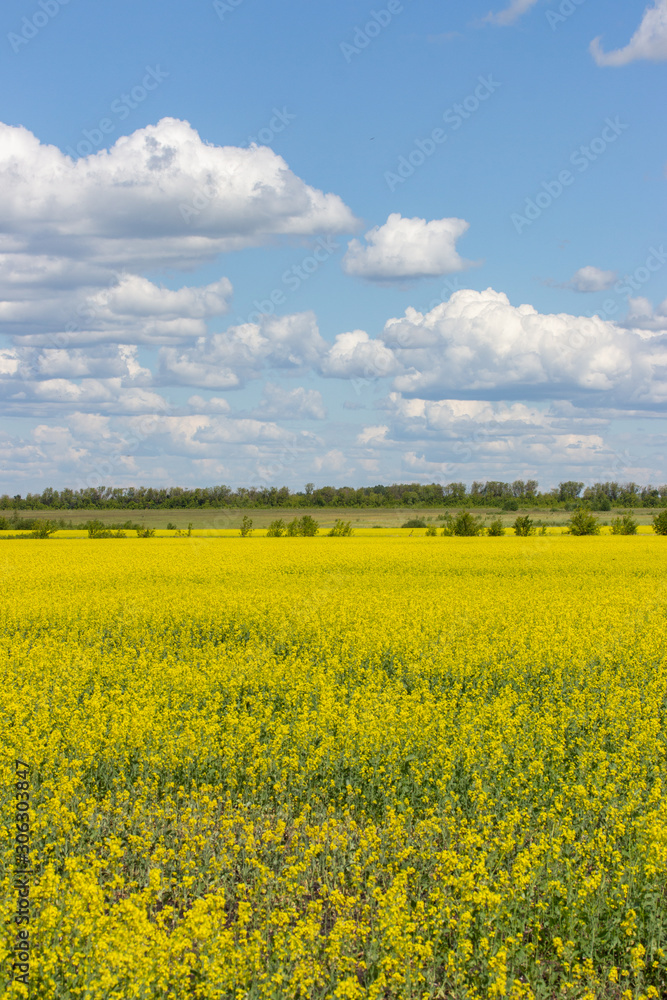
(389,767)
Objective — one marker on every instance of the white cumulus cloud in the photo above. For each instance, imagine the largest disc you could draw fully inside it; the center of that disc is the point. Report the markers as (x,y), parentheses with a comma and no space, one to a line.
(228,360)
(278,403)
(407,248)
(78,236)
(648,42)
(591,279)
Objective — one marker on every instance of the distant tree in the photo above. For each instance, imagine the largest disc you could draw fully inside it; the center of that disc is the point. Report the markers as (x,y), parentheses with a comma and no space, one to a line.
(512,504)
(660,523)
(304,526)
(583,522)
(44,529)
(624,525)
(524,526)
(569,490)
(414,522)
(276,529)
(246,526)
(464,524)
(341,529)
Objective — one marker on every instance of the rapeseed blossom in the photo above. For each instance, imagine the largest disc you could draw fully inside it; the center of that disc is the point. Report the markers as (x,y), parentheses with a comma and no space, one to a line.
(338,768)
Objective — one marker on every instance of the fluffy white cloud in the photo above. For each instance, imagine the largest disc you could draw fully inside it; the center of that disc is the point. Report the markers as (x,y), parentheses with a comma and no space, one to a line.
(76,237)
(592,279)
(215,405)
(642,315)
(54,379)
(333,462)
(477,345)
(450,439)
(511,13)
(227,360)
(290,404)
(138,201)
(407,248)
(648,42)
(355,355)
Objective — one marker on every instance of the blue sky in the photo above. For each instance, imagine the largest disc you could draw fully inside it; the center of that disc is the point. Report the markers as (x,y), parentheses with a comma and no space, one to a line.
(345,243)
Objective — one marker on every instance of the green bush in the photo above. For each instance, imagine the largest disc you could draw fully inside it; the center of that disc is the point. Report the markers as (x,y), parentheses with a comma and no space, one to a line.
(584,523)
(143,532)
(495,529)
(305,526)
(624,525)
(96,529)
(276,529)
(309,527)
(464,524)
(414,522)
(341,529)
(171,527)
(660,523)
(523,526)
(43,529)
(431,530)
(511,505)
(246,527)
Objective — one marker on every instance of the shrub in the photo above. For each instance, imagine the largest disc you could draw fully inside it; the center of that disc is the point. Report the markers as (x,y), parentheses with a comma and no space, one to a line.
(276,529)
(341,529)
(660,523)
(171,527)
(624,525)
(447,528)
(96,529)
(584,523)
(524,526)
(304,526)
(431,530)
(495,529)
(246,526)
(414,522)
(43,529)
(144,532)
(308,526)
(511,505)
(465,524)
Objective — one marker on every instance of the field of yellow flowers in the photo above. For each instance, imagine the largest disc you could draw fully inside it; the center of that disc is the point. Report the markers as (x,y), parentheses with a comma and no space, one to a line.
(394,767)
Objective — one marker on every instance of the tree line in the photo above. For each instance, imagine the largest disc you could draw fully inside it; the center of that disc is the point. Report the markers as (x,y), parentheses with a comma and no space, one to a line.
(509,496)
